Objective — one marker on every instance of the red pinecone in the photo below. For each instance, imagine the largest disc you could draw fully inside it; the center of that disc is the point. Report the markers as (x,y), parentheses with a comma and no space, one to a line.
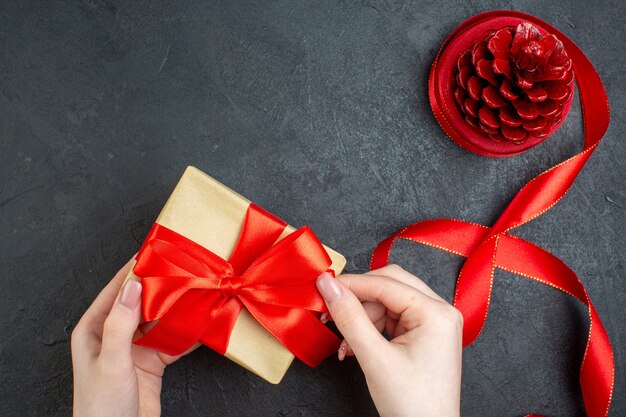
(514,84)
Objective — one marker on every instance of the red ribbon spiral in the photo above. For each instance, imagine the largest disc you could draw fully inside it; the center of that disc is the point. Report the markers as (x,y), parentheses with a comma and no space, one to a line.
(197,296)
(487,248)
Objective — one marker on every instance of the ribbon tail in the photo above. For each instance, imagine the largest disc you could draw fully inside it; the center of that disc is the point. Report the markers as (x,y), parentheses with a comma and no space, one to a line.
(300,331)
(222,322)
(188,329)
(597,371)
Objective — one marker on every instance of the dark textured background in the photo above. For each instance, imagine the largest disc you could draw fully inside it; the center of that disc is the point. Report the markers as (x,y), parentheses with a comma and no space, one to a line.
(317,111)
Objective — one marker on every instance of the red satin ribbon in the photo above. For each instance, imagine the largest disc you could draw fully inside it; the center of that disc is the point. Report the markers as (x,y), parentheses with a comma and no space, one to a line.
(197,296)
(489,248)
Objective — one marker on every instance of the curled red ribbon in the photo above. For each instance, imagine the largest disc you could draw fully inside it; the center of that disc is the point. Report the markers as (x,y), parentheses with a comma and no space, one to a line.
(197,296)
(489,248)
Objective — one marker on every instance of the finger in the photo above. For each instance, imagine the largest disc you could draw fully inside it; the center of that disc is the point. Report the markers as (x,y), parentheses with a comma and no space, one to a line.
(351,319)
(121,324)
(349,351)
(88,331)
(325,317)
(99,309)
(343,350)
(376,312)
(412,305)
(398,273)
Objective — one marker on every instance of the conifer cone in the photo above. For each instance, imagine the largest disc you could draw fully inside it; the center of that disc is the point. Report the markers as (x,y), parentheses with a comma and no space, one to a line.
(514,84)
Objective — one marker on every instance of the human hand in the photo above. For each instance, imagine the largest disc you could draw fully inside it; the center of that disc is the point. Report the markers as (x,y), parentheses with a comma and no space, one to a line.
(418,372)
(113,377)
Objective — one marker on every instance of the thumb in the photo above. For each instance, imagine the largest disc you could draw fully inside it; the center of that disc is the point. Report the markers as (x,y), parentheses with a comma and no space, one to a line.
(121,324)
(351,319)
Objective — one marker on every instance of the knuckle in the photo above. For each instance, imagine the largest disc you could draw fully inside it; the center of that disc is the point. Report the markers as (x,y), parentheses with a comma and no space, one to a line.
(451,315)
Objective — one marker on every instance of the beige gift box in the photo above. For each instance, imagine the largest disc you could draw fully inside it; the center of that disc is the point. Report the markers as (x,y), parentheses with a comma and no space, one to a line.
(211,214)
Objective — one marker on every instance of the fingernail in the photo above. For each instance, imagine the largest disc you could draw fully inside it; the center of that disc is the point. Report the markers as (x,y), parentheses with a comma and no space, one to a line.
(324,318)
(343,349)
(131,293)
(328,287)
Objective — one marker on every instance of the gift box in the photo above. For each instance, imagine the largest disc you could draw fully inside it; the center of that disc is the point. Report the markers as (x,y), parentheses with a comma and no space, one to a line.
(204,223)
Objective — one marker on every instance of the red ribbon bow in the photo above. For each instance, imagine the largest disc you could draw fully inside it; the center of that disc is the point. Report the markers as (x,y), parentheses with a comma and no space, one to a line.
(197,296)
(489,248)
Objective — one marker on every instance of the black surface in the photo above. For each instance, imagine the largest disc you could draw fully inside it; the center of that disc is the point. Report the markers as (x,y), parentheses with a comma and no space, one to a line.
(318,112)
